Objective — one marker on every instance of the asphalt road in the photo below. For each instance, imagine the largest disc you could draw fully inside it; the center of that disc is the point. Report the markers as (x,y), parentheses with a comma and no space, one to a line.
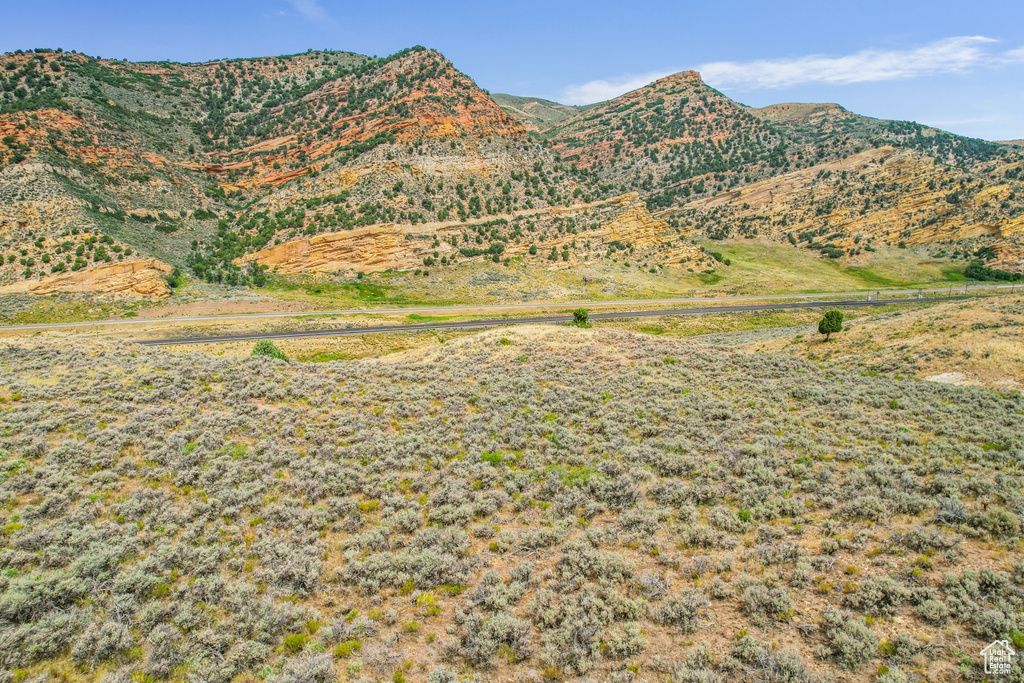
(494,308)
(473,324)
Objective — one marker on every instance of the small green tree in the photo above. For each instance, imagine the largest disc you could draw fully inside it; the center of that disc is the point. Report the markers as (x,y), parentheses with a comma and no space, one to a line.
(580,318)
(265,347)
(175,279)
(257,274)
(831,324)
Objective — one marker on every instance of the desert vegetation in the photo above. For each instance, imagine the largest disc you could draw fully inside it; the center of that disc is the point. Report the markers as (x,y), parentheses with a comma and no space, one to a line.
(543,503)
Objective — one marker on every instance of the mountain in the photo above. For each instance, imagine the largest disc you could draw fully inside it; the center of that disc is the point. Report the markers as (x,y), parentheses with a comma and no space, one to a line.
(197,164)
(657,138)
(534,113)
(404,160)
(812,174)
(874,181)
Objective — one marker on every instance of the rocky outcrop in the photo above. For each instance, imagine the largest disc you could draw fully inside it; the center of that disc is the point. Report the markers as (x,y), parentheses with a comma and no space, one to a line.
(886,194)
(138,278)
(633,223)
(388,246)
(372,248)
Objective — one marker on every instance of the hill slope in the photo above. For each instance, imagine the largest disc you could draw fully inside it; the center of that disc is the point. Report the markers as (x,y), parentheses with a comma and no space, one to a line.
(712,166)
(197,164)
(105,162)
(534,113)
(659,137)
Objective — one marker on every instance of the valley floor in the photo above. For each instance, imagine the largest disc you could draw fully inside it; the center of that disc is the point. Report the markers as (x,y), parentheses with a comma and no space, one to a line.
(756,268)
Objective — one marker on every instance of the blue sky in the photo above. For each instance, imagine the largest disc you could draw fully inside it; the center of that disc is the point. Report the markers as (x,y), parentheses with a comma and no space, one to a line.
(956,65)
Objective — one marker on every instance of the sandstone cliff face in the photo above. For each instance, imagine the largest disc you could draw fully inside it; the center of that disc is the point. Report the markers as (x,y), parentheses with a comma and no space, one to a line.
(371,249)
(388,246)
(632,223)
(137,278)
(41,226)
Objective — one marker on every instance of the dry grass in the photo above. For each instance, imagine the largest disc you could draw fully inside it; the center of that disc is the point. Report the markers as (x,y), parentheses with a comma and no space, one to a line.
(979,343)
(593,504)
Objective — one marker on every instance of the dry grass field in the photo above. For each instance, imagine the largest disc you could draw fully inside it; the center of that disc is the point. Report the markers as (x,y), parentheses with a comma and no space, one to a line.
(536,503)
(978,343)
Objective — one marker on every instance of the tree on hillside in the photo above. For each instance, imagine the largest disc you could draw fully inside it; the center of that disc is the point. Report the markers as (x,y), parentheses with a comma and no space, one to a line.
(831,324)
(580,318)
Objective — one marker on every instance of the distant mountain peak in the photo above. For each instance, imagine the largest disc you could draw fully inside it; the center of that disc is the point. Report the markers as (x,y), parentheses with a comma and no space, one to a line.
(689,76)
(792,111)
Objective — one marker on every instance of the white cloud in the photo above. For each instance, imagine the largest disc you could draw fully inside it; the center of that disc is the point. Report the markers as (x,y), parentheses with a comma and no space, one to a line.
(598,91)
(1014,56)
(949,55)
(310,9)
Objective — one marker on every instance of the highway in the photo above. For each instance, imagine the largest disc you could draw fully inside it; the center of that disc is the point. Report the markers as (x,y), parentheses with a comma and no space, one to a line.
(497,322)
(497,308)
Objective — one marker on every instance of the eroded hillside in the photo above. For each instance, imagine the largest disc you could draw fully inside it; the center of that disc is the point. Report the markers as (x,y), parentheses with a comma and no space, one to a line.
(534,113)
(671,139)
(106,162)
(197,164)
(814,174)
(562,236)
(881,195)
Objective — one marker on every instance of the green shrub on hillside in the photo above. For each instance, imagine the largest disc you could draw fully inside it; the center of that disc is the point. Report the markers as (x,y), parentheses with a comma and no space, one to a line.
(265,347)
(580,318)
